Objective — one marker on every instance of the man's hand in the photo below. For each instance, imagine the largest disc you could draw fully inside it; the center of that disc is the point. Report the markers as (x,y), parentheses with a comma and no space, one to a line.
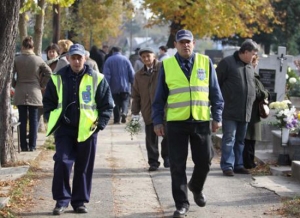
(135,117)
(159,130)
(215,126)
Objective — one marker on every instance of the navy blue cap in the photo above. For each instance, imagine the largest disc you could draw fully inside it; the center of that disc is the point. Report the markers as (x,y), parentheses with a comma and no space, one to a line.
(77,49)
(184,34)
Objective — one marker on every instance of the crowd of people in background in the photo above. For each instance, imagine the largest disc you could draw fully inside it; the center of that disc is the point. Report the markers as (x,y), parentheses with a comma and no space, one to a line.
(78,90)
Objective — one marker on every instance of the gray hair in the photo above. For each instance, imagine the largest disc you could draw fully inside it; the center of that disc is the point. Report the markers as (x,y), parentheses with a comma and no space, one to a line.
(248,45)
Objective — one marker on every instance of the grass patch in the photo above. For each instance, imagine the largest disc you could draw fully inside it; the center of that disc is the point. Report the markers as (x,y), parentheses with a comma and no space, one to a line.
(20,190)
(19,195)
(16,164)
(291,208)
(49,143)
(262,169)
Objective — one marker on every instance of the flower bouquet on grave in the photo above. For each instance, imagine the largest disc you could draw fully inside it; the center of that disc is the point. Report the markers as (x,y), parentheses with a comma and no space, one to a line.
(286,115)
(134,126)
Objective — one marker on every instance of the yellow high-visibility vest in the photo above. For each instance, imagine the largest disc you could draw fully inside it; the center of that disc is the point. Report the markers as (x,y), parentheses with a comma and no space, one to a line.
(188,97)
(87,104)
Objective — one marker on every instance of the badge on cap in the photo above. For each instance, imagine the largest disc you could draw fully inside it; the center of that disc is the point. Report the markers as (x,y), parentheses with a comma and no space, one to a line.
(201,74)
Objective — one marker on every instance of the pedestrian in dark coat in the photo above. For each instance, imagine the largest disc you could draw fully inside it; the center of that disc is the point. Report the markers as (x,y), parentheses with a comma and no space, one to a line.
(97,56)
(236,79)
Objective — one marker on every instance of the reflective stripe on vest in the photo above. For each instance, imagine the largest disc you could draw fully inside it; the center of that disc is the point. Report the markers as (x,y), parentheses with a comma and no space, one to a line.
(55,114)
(188,97)
(88,108)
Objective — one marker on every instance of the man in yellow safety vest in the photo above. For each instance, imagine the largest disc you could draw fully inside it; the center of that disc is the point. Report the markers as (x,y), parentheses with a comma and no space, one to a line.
(77,104)
(188,85)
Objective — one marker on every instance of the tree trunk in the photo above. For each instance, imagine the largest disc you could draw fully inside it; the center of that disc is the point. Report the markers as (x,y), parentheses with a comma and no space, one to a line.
(267,48)
(174,27)
(9,16)
(22,24)
(72,34)
(38,28)
(56,23)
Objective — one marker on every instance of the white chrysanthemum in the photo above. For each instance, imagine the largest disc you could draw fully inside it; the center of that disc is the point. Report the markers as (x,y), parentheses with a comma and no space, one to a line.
(280,113)
(287,101)
(277,105)
(272,105)
(292,80)
(281,105)
(286,76)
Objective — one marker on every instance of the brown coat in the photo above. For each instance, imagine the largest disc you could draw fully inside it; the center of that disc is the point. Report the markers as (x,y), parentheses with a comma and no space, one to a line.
(31,75)
(143,91)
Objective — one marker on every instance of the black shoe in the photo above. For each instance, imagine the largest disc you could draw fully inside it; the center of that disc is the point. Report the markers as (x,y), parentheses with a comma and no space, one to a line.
(116,122)
(250,166)
(180,212)
(199,197)
(153,168)
(58,210)
(166,163)
(241,171)
(81,209)
(123,120)
(228,173)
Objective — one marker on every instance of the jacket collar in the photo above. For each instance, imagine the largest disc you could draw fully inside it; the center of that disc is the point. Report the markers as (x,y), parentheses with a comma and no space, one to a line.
(28,52)
(155,66)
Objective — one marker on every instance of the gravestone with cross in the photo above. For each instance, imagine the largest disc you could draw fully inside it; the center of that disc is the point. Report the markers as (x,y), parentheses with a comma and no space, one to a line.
(272,71)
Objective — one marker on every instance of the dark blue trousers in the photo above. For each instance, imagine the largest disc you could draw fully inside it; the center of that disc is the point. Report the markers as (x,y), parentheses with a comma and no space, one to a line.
(24,111)
(69,152)
(180,135)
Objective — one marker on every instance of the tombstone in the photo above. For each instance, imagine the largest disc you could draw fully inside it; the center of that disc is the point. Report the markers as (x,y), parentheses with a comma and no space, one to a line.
(215,55)
(272,71)
(229,51)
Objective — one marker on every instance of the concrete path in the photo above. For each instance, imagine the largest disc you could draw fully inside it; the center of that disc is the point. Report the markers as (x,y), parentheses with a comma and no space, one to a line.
(123,187)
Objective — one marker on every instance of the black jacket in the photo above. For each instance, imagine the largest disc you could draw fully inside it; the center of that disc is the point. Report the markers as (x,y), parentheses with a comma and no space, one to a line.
(103,99)
(236,80)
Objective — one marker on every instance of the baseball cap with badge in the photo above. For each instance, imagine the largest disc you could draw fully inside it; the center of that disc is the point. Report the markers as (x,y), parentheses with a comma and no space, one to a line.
(184,34)
(77,49)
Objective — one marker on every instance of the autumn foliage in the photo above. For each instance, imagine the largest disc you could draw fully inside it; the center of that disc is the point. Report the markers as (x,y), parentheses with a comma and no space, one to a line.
(215,17)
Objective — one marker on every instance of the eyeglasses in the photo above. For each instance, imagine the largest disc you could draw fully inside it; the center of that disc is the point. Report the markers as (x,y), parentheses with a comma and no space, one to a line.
(65,117)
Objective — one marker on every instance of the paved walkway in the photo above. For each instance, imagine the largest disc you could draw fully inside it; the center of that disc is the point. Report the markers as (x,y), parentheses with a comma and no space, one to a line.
(122,186)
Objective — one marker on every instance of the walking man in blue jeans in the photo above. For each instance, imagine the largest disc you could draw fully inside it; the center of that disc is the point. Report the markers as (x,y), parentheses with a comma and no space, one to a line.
(236,79)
